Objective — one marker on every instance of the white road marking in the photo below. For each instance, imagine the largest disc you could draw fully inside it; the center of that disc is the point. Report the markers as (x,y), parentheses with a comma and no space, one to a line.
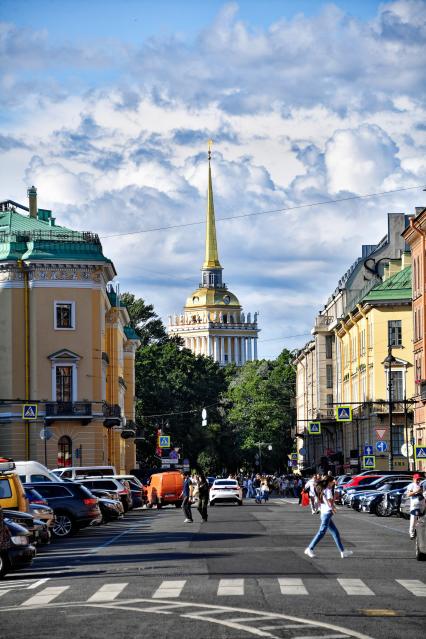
(169,589)
(45,596)
(38,583)
(322,637)
(355,587)
(116,537)
(230,587)
(292,586)
(4,592)
(107,592)
(415,586)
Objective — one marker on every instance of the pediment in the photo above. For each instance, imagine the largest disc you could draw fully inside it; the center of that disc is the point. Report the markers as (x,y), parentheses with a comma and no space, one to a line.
(64,354)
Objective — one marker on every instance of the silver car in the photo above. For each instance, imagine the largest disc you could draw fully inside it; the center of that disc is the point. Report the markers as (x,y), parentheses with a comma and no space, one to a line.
(421,538)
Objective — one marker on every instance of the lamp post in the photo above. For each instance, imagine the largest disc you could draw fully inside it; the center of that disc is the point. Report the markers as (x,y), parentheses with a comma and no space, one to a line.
(389,360)
(260,444)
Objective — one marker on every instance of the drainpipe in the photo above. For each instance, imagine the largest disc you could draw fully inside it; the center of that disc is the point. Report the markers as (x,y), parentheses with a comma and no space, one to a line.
(25,272)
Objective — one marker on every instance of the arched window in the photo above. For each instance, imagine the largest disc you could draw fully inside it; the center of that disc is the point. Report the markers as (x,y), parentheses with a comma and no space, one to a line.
(64,451)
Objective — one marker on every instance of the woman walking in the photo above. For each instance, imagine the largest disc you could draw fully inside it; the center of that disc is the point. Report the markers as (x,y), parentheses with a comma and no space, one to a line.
(327,509)
(203,495)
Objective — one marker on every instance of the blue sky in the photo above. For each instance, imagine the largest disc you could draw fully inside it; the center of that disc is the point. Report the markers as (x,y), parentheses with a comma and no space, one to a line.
(107,108)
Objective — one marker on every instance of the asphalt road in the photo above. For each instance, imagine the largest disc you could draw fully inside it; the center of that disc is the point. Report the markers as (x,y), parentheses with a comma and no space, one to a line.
(242,574)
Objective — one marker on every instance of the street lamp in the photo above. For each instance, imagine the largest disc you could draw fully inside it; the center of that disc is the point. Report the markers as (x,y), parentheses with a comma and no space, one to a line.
(260,444)
(389,360)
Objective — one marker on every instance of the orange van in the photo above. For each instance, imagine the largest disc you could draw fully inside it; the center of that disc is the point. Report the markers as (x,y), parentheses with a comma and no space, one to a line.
(165,488)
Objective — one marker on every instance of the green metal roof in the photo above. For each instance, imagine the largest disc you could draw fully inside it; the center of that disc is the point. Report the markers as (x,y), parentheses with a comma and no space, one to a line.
(130,333)
(29,238)
(395,288)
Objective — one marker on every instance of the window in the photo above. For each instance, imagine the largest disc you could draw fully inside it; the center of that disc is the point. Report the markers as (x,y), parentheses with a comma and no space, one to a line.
(53,491)
(397,379)
(397,439)
(370,335)
(394,333)
(64,384)
(329,373)
(64,315)
(35,478)
(64,451)
(330,401)
(328,346)
(362,342)
(5,489)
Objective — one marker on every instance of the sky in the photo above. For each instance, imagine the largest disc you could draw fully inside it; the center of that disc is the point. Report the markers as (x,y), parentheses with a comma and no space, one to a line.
(107,108)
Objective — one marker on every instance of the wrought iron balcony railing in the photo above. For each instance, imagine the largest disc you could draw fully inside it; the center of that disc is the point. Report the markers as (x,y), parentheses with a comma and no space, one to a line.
(67,410)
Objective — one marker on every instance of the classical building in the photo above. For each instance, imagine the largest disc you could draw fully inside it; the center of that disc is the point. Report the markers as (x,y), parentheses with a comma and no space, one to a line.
(66,348)
(415,235)
(213,322)
(318,389)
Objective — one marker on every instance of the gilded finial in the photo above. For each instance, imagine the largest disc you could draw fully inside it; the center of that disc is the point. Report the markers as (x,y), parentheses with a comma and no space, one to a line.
(210,144)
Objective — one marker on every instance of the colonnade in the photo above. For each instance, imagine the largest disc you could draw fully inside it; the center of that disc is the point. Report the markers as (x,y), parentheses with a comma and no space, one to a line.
(224,349)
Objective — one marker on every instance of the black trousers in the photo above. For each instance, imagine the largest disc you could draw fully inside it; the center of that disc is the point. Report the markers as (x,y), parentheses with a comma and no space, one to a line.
(202,506)
(186,503)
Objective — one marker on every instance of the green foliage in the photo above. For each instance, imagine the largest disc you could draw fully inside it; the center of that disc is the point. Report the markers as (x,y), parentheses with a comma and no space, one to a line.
(144,320)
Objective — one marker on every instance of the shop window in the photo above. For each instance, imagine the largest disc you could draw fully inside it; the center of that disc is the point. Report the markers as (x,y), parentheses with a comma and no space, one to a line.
(64,451)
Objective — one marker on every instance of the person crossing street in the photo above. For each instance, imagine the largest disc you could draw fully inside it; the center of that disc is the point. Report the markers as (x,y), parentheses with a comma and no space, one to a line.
(186,498)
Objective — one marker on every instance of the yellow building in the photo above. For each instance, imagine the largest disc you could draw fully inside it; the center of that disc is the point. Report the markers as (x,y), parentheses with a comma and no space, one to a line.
(383,319)
(66,350)
(213,322)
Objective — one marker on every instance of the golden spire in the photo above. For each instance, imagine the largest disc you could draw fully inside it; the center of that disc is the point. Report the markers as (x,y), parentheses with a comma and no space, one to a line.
(211,259)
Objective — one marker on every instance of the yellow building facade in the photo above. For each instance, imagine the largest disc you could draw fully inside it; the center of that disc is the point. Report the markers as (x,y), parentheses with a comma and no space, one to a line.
(66,348)
(382,319)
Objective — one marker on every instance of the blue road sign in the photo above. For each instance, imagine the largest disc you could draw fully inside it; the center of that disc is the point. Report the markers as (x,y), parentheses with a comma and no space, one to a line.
(302,452)
(314,428)
(420,452)
(381,446)
(369,462)
(164,441)
(29,411)
(344,414)
(368,450)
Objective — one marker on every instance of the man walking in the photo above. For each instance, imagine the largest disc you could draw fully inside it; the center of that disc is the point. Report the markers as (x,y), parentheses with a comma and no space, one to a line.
(417,502)
(203,495)
(186,498)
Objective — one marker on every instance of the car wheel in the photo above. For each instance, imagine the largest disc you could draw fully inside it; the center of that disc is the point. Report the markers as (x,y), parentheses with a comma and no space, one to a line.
(383,510)
(64,525)
(4,565)
(420,556)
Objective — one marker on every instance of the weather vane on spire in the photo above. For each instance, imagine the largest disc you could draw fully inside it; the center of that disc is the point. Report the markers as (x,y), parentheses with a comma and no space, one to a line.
(210,144)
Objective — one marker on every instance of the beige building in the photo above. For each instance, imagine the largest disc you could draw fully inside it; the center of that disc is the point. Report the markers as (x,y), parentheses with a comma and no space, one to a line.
(213,322)
(66,348)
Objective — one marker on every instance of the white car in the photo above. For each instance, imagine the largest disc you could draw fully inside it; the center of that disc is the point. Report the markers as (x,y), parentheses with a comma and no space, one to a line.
(225,491)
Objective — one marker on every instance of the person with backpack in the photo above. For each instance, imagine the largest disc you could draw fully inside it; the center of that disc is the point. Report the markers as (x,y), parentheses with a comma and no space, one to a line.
(327,510)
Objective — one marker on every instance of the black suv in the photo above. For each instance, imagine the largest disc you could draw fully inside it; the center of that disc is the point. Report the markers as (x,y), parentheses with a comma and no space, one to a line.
(74,506)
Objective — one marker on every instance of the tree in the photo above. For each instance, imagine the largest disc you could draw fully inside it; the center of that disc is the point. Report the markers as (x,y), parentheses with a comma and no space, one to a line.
(144,320)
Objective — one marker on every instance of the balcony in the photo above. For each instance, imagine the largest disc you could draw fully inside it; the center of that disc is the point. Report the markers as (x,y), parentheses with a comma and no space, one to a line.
(82,411)
(112,415)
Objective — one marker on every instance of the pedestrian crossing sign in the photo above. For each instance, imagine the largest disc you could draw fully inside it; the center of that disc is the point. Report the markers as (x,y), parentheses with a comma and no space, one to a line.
(343,413)
(29,411)
(369,462)
(420,452)
(314,428)
(164,441)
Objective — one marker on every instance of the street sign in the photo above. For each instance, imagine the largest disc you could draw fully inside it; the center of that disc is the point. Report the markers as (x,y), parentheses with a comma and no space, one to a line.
(404,450)
(381,446)
(344,413)
(46,434)
(294,456)
(169,460)
(369,462)
(380,433)
(368,450)
(420,452)
(302,452)
(29,411)
(314,428)
(164,441)
(289,463)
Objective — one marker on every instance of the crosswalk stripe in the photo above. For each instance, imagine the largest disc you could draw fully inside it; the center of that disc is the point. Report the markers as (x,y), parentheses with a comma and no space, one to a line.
(415,586)
(230,587)
(355,587)
(169,589)
(292,586)
(45,596)
(38,583)
(3,592)
(107,592)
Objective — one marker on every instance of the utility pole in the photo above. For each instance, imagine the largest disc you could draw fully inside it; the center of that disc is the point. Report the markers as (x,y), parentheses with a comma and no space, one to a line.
(389,360)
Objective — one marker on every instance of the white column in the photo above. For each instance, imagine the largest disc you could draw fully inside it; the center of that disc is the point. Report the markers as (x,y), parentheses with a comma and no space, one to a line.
(237,349)
(209,345)
(255,348)
(243,350)
(229,351)
(216,349)
(249,357)
(222,350)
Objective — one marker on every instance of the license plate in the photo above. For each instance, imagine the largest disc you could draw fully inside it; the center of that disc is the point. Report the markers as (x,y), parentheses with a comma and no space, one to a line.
(169,495)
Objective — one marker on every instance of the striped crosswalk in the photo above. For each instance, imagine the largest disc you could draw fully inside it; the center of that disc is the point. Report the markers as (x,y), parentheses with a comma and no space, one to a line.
(287,587)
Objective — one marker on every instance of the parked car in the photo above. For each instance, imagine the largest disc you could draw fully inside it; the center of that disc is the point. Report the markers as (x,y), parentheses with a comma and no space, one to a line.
(78,472)
(165,488)
(31,472)
(12,493)
(18,552)
(34,497)
(421,539)
(136,489)
(373,484)
(74,506)
(37,529)
(369,501)
(225,491)
(111,509)
(112,485)
(404,509)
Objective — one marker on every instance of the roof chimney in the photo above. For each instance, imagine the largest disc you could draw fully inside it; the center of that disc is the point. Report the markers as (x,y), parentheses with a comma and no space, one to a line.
(32,197)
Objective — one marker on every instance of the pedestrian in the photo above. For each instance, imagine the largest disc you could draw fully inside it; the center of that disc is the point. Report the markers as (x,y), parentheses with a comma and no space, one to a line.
(250,490)
(186,498)
(203,495)
(264,490)
(310,487)
(325,497)
(417,502)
